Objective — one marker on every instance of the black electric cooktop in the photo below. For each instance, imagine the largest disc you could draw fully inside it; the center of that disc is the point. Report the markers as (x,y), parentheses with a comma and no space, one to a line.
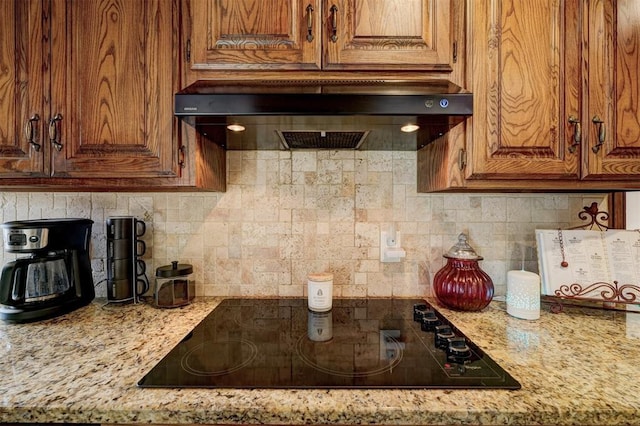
(360,343)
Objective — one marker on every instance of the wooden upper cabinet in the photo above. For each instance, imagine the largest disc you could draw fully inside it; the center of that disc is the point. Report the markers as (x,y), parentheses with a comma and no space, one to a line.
(253,34)
(557,93)
(611,116)
(21,90)
(526,85)
(87,91)
(111,89)
(388,34)
(86,99)
(318,34)
(556,100)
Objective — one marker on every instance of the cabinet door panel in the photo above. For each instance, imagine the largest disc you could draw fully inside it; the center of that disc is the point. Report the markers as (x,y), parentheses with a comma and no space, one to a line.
(21,88)
(613,89)
(254,34)
(112,86)
(388,34)
(526,87)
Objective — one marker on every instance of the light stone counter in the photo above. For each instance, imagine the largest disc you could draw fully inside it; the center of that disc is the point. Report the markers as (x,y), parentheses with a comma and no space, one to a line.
(578,367)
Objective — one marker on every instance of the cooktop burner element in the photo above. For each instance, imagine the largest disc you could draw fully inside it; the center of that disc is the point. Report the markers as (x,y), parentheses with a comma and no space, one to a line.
(219,365)
(360,343)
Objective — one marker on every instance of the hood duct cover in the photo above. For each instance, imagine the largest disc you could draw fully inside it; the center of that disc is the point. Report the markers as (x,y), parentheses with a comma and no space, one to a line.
(323,114)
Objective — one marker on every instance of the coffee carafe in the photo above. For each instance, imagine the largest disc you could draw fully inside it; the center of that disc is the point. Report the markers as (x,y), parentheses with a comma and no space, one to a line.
(55,277)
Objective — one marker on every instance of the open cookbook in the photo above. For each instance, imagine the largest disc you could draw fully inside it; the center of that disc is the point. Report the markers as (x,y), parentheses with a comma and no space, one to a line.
(588,264)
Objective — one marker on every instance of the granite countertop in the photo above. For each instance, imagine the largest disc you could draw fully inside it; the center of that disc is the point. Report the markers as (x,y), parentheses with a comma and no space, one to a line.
(577,367)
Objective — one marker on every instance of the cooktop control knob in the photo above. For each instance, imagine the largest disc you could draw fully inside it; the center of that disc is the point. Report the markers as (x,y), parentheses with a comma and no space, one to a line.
(442,336)
(429,321)
(457,350)
(418,312)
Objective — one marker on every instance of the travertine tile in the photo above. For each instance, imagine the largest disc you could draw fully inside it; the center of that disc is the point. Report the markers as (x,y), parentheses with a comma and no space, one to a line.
(313,211)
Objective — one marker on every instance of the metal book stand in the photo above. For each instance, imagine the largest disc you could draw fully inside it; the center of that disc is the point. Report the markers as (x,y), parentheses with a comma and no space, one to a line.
(612,295)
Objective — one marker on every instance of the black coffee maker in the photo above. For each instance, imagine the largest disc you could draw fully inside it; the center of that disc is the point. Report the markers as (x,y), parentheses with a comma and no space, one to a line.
(55,277)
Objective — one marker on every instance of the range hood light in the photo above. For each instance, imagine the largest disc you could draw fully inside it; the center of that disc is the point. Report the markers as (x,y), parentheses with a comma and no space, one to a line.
(236,127)
(409,128)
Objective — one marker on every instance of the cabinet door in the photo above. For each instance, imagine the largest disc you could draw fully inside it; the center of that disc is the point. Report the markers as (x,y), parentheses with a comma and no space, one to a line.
(21,89)
(526,89)
(388,34)
(612,118)
(112,88)
(253,34)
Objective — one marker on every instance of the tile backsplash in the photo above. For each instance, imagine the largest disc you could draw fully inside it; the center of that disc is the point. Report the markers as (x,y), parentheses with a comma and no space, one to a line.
(286,214)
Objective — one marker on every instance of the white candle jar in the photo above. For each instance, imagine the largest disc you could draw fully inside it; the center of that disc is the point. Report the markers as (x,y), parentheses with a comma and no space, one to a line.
(523,294)
(320,291)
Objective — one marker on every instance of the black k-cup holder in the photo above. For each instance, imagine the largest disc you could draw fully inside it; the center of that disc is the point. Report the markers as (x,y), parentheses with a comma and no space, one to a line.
(126,271)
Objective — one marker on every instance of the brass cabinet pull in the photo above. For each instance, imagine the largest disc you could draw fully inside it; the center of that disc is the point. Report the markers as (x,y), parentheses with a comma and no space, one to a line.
(30,132)
(309,23)
(462,159)
(53,132)
(601,133)
(182,162)
(334,23)
(577,134)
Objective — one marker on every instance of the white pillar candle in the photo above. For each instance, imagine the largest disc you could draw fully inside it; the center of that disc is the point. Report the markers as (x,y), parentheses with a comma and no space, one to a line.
(523,294)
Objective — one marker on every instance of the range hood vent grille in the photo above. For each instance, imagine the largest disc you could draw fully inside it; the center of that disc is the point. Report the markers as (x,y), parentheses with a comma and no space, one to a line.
(320,139)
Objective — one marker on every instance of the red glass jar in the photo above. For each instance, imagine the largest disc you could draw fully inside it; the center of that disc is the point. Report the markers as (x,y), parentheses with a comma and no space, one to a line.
(461,284)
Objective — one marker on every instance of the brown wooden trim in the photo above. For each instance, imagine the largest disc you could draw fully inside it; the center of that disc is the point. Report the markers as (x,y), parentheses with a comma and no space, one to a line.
(617,210)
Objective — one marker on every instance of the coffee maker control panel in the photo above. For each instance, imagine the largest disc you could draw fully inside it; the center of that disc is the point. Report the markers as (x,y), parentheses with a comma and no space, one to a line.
(25,239)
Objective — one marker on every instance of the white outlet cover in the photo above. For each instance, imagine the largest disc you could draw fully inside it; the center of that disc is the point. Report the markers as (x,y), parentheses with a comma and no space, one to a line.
(387,252)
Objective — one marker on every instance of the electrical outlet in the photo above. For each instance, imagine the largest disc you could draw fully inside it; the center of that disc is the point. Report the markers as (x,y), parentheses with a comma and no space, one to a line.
(390,249)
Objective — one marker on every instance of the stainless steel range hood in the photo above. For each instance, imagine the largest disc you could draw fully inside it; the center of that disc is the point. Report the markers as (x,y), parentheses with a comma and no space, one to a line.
(323,114)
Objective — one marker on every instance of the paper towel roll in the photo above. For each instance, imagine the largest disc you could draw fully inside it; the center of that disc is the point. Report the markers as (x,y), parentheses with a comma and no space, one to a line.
(523,294)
